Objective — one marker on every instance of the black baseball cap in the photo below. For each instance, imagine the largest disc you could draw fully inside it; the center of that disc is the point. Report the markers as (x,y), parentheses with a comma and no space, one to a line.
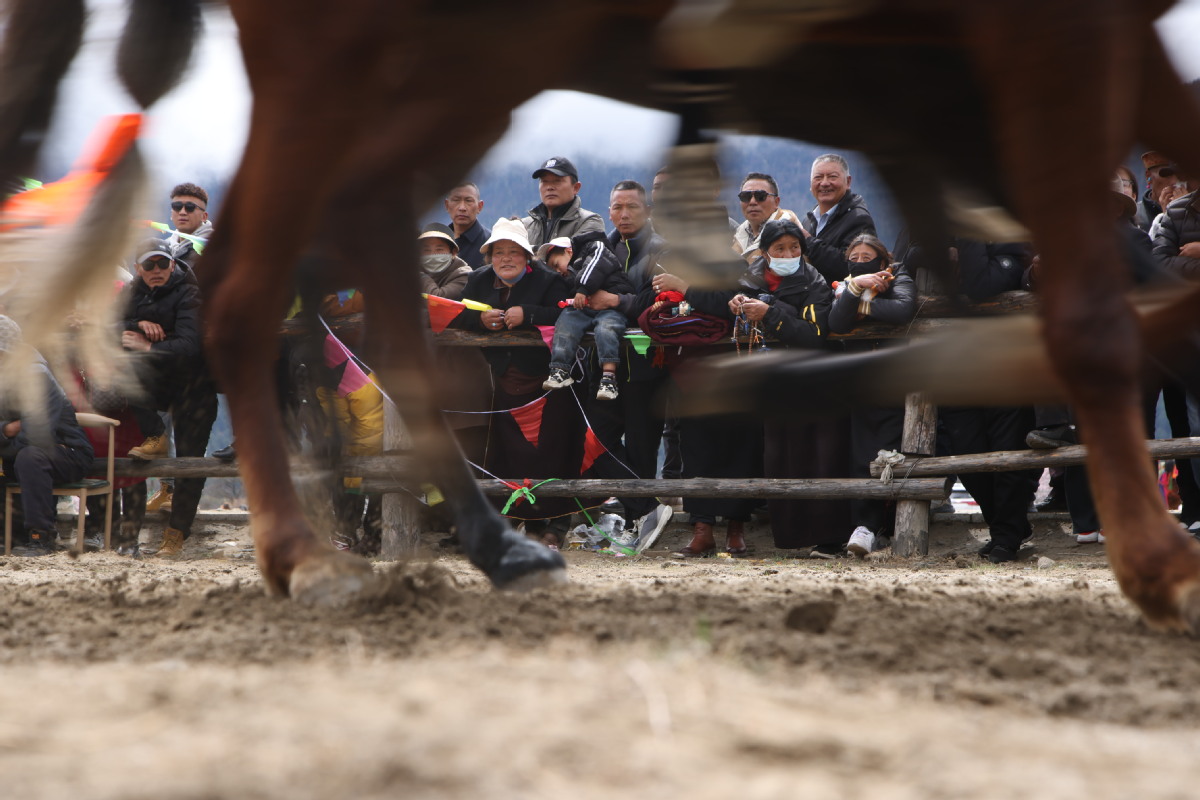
(559,166)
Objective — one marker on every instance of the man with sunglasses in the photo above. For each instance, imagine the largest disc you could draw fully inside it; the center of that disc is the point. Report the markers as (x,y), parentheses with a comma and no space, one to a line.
(760,201)
(839,216)
(189,214)
(161,329)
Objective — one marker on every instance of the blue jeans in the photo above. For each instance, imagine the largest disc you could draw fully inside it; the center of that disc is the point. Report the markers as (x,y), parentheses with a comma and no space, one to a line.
(607,326)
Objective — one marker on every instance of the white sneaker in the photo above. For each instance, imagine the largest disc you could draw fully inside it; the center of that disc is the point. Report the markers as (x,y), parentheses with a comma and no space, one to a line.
(558,379)
(862,541)
(651,526)
(625,539)
(1089,538)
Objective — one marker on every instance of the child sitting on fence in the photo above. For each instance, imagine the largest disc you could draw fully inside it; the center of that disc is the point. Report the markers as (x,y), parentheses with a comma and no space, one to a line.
(592,267)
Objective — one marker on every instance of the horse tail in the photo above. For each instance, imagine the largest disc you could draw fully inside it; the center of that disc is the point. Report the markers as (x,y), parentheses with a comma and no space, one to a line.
(156,47)
(41,39)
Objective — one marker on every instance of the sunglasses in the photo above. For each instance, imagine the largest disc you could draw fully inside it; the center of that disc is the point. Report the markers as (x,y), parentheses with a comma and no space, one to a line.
(757,194)
(1164,172)
(156,263)
(179,205)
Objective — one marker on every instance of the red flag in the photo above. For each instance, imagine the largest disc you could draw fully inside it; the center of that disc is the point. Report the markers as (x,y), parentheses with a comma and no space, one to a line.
(442,311)
(529,419)
(592,449)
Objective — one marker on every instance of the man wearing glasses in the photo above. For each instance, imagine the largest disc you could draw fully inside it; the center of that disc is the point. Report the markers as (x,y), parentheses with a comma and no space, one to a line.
(189,214)
(760,204)
(839,216)
(161,328)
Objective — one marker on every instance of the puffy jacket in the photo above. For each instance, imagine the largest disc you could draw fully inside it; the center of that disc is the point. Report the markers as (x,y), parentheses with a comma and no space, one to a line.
(175,307)
(596,267)
(1180,225)
(847,219)
(799,307)
(569,220)
(896,306)
(54,424)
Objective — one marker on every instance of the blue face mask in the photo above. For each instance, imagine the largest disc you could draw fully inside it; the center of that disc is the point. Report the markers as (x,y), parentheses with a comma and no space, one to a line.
(785,266)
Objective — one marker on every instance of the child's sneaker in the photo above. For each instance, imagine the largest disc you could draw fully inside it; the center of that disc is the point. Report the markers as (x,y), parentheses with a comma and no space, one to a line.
(862,541)
(608,387)
(559,379)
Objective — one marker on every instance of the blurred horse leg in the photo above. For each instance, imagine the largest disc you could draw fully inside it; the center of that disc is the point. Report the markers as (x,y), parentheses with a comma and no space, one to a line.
(1064,118)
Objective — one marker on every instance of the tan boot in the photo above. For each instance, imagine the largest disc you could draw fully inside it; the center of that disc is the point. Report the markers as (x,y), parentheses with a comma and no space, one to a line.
(161,500)
(702,543)
(172,544)
(153,447)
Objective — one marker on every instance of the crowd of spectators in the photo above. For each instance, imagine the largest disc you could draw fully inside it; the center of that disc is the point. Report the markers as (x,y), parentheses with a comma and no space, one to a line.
(537,413)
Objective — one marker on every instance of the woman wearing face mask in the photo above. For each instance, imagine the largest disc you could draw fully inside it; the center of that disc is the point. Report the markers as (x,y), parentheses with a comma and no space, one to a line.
(789,301)
(874,290)
(442,273)
(522,298)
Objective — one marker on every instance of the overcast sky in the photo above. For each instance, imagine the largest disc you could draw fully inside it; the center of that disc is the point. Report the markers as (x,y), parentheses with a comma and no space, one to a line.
(199,129)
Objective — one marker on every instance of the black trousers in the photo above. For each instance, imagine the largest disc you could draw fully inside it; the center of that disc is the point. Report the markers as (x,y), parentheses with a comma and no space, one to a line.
(631,431)
(189,394)
(1175,403)
(36,470)
(1003,497)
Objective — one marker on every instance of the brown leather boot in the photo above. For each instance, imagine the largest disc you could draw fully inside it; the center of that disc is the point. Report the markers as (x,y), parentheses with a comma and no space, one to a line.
(702,543)
(735,540)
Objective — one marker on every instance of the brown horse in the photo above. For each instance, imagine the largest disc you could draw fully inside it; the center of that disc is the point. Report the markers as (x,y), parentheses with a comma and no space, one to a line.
(1025,103)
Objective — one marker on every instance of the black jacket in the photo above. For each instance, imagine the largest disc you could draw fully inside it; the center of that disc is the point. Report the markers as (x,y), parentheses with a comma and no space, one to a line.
(827,252)
(799,312)
(538,294)
(596,267)
(174,306)
(1180,225)
(55,424)
(896,306)
(985,269)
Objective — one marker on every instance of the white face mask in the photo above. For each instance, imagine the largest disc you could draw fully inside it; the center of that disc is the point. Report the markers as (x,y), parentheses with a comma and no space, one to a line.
(785,266)
(436,262)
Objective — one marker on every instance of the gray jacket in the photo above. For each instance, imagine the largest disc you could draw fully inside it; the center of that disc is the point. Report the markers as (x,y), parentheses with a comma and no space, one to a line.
(570,221)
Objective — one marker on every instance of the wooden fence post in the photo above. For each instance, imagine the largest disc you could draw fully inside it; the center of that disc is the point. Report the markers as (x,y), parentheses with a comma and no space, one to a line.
(401,511)
(912,516)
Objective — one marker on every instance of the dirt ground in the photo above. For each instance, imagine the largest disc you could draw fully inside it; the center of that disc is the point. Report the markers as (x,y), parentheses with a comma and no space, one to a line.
(771,677)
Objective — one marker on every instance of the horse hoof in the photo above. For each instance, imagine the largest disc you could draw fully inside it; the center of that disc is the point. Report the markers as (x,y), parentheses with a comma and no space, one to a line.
(331,579)
(527,565)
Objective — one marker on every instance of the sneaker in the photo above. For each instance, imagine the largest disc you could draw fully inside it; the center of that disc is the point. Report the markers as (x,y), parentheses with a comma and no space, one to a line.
(862,541)
(1100,537)
(608,388)
(1194,528)
(627,539)
(41,542)
(161,500)
(227,453)
(1052,437)
(651,526)
(153,447)
(826,551)
(559,379)
(1088,538)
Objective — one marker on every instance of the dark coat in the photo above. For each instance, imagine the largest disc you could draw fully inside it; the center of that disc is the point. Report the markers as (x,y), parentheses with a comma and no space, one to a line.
(469,243)
(827,252)
(175,307)
(1180,226)
(799,312)
(538,294)
(896,306)
(55,424)
(639,256)
(596,267)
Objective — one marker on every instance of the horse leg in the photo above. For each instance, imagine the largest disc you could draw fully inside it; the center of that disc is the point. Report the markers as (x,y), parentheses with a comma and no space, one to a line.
(247,277)
(1083,82)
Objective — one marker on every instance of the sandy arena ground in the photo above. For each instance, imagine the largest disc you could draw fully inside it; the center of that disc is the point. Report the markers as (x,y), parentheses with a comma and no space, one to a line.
(772,677)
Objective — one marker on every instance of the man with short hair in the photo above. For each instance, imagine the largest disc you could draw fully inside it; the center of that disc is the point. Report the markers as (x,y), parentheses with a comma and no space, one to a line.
(463,205)
(627,425)
(560,213)
(161,329)
(189,214)
(839,216)
(760,201)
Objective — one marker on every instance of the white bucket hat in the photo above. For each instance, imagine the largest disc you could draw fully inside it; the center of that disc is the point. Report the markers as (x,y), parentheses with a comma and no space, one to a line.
(511,230)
